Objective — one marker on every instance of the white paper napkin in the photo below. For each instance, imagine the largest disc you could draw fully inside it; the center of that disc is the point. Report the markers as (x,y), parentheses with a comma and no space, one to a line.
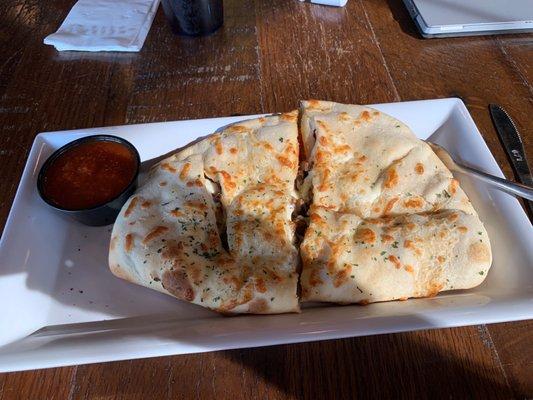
(105,25)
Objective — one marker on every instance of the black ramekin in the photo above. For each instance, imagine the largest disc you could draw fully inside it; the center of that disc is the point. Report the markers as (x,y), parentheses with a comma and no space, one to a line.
(103,214)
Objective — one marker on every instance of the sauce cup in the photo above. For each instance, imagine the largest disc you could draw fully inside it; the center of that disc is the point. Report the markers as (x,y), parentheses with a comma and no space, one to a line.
(101,213)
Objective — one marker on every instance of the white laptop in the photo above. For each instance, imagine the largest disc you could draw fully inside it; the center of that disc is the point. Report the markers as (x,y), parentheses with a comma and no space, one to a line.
(440,18)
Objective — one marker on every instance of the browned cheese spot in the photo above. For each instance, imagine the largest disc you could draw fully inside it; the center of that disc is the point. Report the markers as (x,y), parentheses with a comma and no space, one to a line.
(185,171)
(452,217)
(454,184)
(391,179)
(342,276)
(196,182)
(342,149)
(167,167)
(462,229)
(173,252)
(314,278)
(344,116)
(479,253)
(176,213)
(365,116)
(218,147)
(441,259)
(196,274)
(131,206)
(313,103)
(393,259)
(433,289)
(247,291)
(196,205)
(177,284)
(325,177)
(279,228)
(409,268)
(128,243)
(228,182)
(233,150)
(154,233)
(419,168)
(146,204)
(162,183)
(363,302)
(386,238)
(365,235)
(237,129)
(260,285)
(291,150)
(390,205)
(258,306)
(323,126)
(316,219)
(290,116)
(410,226)
(234,281)
(322,157)
(414,203)
(267,146)
(226,307)
(285,161)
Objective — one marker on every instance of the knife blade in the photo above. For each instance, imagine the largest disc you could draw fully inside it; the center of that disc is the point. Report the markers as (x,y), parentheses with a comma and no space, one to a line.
(512,142)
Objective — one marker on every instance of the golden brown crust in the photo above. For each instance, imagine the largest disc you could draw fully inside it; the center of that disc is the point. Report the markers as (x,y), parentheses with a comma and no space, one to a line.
(218,233)
(221,235)
(385,205)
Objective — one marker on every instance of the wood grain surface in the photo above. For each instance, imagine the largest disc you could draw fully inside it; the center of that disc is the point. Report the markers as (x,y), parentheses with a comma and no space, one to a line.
(269,54)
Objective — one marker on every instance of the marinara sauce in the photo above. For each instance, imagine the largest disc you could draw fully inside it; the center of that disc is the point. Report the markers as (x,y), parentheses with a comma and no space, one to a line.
(89,174)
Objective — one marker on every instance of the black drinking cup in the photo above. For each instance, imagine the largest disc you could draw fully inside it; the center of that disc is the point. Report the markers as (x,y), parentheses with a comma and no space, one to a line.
(194,17)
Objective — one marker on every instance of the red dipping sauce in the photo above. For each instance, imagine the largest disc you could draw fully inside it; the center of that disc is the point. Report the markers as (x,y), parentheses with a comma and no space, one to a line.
(89,174)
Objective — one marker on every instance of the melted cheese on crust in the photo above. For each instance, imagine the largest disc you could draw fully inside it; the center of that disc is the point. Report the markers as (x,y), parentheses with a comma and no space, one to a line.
(387,219)
(173,244)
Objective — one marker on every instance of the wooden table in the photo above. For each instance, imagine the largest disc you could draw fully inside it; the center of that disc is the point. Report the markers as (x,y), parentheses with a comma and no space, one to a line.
(269,54)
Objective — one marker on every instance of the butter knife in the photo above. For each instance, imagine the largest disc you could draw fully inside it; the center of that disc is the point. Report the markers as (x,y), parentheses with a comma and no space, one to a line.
(512,142)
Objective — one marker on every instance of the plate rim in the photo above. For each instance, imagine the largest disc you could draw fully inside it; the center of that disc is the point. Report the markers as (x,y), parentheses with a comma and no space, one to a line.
(455,105)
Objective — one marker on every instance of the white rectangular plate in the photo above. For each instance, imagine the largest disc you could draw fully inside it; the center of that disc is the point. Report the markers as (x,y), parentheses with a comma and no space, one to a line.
(60,305)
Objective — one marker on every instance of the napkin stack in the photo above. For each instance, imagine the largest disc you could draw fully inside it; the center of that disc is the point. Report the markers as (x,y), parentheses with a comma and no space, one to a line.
(105,25)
